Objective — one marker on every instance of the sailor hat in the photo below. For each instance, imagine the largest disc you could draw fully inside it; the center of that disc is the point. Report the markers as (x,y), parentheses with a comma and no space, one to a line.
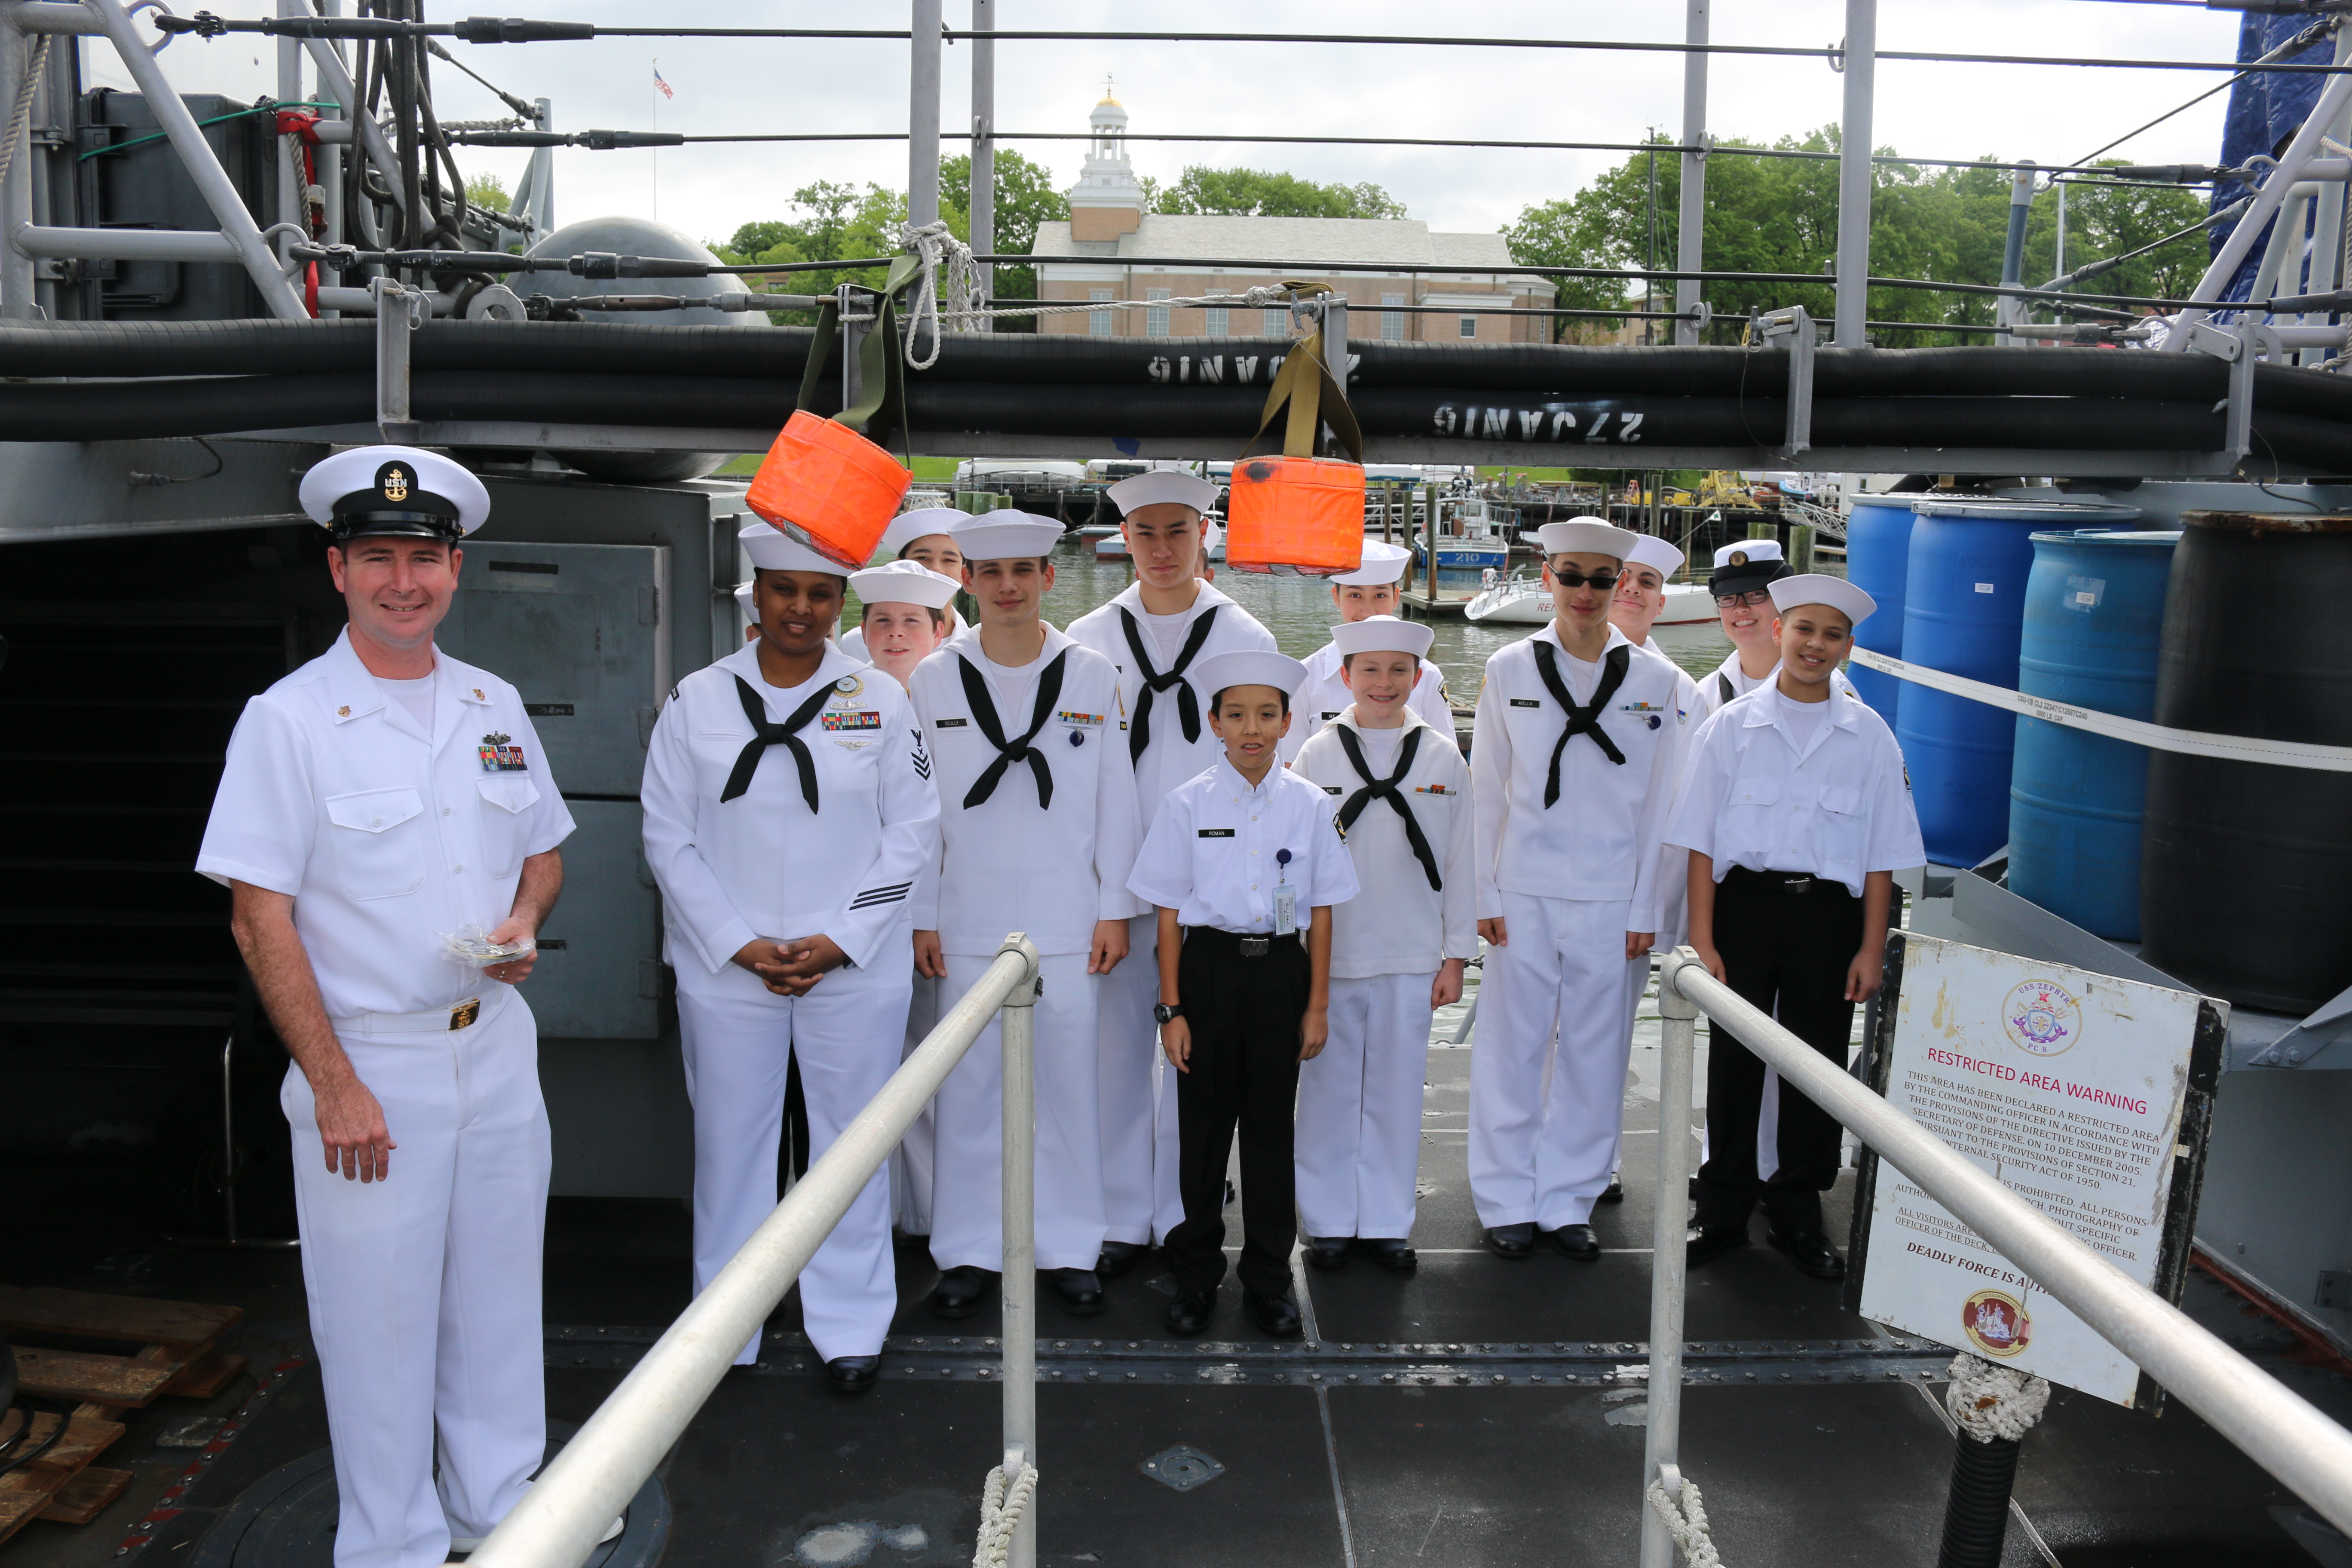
(772,550)
(1163,485)
(1382,562)
(1655,553)
(745,602)
(393,489)
(1585,536)
(1814,588)
(1006,535)
(1383,634)
(903,583)
(1211,537)
(1248,667)
(1744,565)
(909,526)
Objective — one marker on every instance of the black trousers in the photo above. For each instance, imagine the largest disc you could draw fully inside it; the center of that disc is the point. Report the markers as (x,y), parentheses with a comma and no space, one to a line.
(1786,942)
(1244,1073)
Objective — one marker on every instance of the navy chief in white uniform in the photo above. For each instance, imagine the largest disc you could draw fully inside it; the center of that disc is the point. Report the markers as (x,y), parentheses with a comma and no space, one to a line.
(380,795)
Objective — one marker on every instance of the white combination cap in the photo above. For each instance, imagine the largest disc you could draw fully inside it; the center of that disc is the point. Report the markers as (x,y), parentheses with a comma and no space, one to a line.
(1748,552)
(1006,535)
(1248,667)
(1163,485)
(1382,562)
(372,491)
(903,583)
(1383,634)
(1815,588)
(772,550)
(909,526)
(1585,536)
(1655,553)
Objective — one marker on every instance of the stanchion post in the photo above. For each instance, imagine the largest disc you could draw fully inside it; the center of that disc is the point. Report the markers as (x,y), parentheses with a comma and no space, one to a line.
(1020,1030)
(1662,1449)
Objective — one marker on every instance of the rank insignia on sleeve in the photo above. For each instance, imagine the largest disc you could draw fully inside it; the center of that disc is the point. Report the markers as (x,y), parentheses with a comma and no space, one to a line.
(500,755)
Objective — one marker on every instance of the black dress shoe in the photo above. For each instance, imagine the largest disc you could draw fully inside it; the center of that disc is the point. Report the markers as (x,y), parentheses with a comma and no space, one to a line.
(1394,1254)
(1080,1291)
(1614,1192)
(1277,1315)
(1713,1242)
(1328,1251)
(1117,1257)
(853,1373)
(959,1291)
(1811,1251)
(1188,1314)
(1576,1241)
(1512,1241)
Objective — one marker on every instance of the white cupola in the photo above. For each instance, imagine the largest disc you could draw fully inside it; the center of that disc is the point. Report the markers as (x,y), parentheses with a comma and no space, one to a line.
(1106,202)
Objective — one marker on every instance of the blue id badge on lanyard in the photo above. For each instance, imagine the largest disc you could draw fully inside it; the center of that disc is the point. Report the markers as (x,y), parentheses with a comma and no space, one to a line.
(1286,899)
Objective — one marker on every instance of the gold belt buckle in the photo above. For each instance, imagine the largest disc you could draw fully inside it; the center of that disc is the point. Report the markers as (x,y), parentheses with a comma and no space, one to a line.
(463,1014)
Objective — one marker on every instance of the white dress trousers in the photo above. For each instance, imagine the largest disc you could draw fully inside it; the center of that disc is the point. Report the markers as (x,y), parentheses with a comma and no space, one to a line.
(1137,1093)
(967,1211)
(739,1036)
(1546,1108)
(425,1325)
(1359,1110)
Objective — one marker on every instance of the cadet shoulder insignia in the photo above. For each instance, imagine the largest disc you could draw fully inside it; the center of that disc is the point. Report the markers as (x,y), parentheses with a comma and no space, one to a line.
(500,755)
(344,711)
(478,695)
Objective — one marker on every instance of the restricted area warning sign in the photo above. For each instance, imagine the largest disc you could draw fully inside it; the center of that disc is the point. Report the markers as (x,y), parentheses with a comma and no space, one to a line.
(2088,1096)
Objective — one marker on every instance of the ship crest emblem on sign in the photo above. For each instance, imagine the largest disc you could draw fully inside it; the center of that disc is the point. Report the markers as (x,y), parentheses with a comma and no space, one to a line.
(1997,1323)
(2042,1017)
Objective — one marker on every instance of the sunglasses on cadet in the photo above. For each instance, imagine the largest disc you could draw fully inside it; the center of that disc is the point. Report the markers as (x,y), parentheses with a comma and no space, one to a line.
(1572,578)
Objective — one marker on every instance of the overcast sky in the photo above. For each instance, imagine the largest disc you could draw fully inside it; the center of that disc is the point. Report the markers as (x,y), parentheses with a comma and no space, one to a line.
(2054,115)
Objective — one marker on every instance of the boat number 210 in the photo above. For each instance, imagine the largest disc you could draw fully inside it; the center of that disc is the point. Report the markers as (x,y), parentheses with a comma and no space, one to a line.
(1553,424)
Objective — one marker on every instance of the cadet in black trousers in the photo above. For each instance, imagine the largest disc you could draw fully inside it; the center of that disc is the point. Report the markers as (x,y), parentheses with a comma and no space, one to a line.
(1244,864)
(1797,813)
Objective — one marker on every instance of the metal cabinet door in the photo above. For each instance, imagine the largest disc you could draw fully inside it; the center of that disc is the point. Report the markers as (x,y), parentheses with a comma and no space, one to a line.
(599,975)
(578,630)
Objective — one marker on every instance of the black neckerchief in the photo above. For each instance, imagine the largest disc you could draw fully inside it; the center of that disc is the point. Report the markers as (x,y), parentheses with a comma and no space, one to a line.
(764,734)
(1386,789)
(983,713)
(1187,707)
(1584,721)
(1723,688)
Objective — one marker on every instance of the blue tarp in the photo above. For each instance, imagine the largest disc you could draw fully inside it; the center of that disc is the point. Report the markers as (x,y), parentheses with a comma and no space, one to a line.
(2265,110)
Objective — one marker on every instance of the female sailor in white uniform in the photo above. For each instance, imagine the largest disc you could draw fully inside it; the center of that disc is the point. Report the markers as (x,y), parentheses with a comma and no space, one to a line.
(789,811)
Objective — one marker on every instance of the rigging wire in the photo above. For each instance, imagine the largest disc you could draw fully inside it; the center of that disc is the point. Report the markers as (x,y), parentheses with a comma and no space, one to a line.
(2293,46)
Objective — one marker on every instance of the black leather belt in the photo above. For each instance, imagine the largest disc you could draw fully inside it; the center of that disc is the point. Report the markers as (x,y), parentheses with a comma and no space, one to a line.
(1245,945)
(1793,883)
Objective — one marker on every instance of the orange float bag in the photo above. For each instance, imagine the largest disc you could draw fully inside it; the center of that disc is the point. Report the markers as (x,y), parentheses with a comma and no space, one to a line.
(822,482)
(1301,515)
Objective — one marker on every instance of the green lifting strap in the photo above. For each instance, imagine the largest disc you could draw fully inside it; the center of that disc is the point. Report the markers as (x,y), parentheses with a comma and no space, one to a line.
(1305,382)
(881,368)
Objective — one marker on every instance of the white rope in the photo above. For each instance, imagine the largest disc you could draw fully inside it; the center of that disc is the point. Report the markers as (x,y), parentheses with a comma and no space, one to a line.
(1685,1517)
(937,246)
(1994,1402)
(1000,1508)
(34,63)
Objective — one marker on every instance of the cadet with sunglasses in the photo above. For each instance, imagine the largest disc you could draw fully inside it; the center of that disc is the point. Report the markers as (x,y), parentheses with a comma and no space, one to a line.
(1573,763)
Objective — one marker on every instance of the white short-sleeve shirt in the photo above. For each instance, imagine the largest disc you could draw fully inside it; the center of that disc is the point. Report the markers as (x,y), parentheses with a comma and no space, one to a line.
(383,836)
(1837,804)
(1216,851)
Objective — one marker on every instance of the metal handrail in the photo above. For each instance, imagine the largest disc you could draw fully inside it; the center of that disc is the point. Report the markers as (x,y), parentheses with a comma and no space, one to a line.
(592,1479)
(2304,1449)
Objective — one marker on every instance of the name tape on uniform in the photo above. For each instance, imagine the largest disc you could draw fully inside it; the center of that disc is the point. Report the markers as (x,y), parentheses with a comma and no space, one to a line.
(2158,737)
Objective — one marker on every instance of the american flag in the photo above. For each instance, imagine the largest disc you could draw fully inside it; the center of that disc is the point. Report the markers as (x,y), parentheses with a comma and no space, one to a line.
(664,85)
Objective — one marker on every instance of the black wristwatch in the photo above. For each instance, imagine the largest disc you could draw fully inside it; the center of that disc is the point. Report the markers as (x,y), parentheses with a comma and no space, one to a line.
(1161,1012)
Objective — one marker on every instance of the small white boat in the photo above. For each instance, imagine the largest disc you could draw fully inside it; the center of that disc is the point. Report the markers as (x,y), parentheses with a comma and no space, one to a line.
(1521,599)
(1470,535)
(1111,546)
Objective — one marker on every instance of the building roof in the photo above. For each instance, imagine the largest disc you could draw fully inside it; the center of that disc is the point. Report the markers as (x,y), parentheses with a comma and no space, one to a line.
(1407,244)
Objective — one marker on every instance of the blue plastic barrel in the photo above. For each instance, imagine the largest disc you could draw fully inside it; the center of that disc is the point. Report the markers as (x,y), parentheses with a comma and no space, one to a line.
(1963,612)
(1877,559)
(2094,616)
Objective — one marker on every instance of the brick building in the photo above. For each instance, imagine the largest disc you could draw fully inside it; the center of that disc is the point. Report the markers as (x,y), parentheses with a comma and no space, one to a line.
(1087,259)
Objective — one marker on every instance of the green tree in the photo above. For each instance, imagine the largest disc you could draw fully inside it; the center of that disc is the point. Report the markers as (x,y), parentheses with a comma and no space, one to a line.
(1255,193)
(486,191)
(1026,196)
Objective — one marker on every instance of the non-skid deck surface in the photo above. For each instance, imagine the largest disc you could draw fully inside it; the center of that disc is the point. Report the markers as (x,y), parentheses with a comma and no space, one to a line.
(1816,1447)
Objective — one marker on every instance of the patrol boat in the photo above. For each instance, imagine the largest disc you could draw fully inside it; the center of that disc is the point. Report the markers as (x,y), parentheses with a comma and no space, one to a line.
(153,415)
